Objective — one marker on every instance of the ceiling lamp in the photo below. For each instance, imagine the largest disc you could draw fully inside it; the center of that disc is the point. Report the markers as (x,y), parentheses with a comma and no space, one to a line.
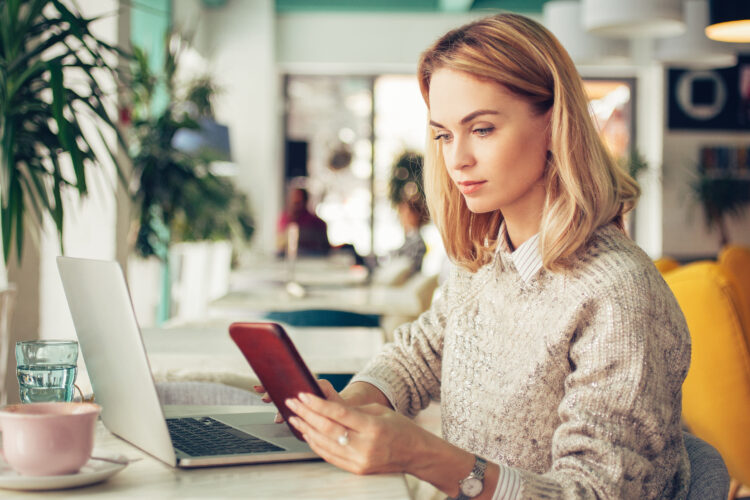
(633,18)
(693,49)
(730,21)
(563,19)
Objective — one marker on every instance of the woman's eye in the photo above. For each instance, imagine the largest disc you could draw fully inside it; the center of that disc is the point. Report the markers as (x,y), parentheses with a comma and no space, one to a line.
(481,132)
(441,136)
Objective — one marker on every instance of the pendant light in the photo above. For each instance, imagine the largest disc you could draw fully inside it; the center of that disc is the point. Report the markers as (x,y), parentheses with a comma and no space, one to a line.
(730,21)
(633,18)
(563,19)
(693,49)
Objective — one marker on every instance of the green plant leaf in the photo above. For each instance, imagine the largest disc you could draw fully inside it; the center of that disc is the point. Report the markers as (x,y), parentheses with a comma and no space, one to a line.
(39,41)
(8,161)
(8,16)
(33,11)
(6,218)
(67,137)
(57,209)
(36,195)
(32,71)
(18,209)
(26,57)
(77,23)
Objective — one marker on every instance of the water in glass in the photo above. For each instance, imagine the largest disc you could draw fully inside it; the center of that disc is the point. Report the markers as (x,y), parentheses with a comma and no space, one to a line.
(46,370)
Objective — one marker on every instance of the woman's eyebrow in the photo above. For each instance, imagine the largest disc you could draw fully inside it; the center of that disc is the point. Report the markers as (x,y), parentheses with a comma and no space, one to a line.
(469,117)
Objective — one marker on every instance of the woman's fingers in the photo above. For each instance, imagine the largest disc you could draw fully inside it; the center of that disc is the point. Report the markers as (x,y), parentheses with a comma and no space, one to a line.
(327,426)
(262,391)
(329,392)
(333,410)
(330,451)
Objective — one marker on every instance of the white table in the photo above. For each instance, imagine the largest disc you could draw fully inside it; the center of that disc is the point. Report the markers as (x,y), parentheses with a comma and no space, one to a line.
(406,301)
(311,271)
(149,478)
(204,352)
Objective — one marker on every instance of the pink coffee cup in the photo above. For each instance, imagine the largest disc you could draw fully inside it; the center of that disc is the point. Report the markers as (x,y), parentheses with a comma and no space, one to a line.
(48,439)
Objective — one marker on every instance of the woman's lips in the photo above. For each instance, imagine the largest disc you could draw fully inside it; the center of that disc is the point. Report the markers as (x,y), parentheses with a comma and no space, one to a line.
(469,187)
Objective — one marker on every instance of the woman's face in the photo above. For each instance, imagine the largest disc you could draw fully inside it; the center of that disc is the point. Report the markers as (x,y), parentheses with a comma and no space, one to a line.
(494,144)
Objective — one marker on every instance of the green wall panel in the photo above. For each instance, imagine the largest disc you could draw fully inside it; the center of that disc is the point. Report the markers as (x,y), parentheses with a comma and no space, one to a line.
(150,21)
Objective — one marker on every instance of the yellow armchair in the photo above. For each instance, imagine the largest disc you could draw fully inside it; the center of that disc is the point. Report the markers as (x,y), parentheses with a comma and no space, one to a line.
(735,260)
(666,264)
(716,392)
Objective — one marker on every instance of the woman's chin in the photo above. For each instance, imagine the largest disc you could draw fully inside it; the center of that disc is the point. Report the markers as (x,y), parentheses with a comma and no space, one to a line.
(478,207)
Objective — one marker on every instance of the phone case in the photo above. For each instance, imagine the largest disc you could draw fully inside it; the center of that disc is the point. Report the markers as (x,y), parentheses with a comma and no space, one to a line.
(276,362)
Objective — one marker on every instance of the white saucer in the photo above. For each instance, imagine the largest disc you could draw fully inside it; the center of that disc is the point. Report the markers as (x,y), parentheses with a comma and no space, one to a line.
(93,472)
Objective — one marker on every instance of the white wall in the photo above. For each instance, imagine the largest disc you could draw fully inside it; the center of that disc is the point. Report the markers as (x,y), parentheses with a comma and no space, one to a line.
(684,231)
(356,43)
(238,40)
(649,135)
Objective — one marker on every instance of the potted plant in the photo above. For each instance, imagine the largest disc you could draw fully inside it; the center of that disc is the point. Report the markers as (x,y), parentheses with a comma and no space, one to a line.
(42,43)
(721,197)
(178,197)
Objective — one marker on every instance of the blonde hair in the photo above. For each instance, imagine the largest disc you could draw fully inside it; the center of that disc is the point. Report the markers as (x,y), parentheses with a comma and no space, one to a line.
(585,187)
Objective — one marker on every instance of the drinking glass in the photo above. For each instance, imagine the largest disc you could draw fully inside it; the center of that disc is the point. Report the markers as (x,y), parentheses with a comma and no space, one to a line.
(46,370)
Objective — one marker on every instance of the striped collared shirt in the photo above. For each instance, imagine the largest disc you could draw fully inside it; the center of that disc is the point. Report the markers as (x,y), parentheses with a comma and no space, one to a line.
(527,258)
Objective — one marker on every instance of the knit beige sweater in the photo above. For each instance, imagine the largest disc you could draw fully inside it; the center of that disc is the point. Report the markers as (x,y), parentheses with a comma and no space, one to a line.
(570,381)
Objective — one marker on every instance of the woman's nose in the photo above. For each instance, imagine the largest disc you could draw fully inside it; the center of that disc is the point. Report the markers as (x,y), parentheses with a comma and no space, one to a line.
(461,155)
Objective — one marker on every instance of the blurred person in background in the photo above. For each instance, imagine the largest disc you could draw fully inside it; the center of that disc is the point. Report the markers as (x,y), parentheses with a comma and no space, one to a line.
(412,215)
(313,231)
(407,196)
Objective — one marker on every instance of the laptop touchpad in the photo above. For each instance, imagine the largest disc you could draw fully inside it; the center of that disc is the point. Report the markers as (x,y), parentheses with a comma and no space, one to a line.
(257,424)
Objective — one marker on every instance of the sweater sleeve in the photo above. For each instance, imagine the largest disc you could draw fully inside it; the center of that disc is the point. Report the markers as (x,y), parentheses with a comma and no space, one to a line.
(407,371)
(620,413)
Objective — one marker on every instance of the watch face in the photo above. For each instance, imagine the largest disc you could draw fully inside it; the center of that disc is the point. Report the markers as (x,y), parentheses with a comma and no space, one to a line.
(471,487)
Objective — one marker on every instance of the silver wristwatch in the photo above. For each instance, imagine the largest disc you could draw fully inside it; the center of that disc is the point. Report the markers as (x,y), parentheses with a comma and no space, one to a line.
(473,484)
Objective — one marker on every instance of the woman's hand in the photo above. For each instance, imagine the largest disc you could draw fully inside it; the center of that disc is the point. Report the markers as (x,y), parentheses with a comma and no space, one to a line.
(364,439)
(325,386)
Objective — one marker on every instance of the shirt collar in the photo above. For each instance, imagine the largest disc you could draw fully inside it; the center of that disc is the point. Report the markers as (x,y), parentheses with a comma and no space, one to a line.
(526,258)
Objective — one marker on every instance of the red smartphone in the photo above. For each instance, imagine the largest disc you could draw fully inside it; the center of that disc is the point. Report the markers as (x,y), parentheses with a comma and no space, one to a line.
(276,362)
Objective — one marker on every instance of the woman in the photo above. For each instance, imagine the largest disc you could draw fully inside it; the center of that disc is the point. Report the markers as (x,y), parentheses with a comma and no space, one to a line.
(556,350)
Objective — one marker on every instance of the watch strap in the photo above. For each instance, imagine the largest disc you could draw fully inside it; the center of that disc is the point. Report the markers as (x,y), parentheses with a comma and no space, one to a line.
(477,472)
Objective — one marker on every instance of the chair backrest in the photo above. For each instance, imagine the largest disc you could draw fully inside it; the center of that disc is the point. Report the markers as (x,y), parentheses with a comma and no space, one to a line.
(735,260)
(423,287)
(709,479)
(716,392)
(323,317)
(666,264)
(204,393)
(393,273)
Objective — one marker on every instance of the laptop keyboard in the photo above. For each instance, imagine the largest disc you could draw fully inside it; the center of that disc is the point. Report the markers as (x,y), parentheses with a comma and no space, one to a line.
(204,436)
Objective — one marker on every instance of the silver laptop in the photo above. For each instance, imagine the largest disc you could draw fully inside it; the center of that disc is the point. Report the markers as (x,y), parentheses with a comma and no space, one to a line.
(116,360)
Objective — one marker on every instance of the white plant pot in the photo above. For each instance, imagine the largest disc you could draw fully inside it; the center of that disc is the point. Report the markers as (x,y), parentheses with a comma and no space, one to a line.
(144,281)
(200,274)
